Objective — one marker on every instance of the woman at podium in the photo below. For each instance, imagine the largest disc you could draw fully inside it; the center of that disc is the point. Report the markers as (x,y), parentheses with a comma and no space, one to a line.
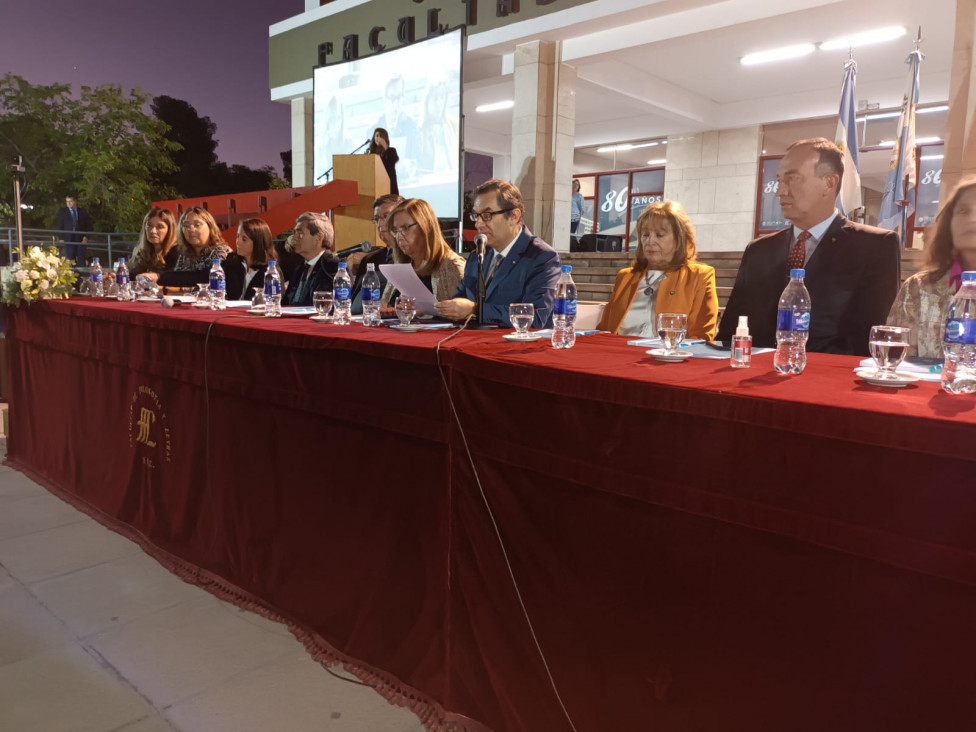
(380,145)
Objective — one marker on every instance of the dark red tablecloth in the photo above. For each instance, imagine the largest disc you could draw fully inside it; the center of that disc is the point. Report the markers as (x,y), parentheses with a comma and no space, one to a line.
(697,547)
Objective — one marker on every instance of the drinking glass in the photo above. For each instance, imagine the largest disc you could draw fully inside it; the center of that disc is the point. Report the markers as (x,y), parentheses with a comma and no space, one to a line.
(258,298)
(406,308)
(521,315)
(323,300)
(85,286)
(203,295)
(888,345)
(671,327)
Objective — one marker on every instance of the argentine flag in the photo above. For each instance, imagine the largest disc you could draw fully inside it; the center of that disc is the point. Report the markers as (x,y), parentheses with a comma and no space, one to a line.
(899,190)
(849,196)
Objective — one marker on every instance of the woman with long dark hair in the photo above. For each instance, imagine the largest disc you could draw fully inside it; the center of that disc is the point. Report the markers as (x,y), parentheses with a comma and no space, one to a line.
(380,145)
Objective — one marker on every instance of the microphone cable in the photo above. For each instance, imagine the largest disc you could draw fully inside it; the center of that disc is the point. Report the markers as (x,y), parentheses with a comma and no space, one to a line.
(494,524)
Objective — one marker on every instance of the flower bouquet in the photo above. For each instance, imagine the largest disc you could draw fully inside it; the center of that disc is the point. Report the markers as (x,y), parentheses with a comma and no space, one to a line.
(39,275)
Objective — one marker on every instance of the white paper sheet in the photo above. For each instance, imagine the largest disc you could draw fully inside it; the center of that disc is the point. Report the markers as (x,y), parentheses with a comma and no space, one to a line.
(408,283)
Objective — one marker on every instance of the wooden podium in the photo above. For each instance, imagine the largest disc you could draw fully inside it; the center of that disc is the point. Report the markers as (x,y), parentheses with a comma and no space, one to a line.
(352,223)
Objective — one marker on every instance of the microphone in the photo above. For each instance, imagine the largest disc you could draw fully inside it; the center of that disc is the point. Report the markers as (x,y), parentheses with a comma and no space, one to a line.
(169,302)
(479,244)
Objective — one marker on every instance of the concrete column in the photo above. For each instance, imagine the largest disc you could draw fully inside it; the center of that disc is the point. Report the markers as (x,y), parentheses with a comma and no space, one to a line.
(713,175)
(543,138)
(301,142)
(960,137)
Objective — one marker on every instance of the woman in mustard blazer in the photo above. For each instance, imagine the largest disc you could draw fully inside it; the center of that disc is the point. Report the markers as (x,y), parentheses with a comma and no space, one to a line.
(665,278)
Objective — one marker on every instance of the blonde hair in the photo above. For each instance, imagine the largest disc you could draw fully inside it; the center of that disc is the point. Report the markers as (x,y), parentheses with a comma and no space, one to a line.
(436,249)
(682,229)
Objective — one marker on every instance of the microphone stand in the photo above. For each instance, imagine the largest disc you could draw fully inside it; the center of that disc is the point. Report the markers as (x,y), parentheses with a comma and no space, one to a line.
(365,144)
(479,309)
(324,175)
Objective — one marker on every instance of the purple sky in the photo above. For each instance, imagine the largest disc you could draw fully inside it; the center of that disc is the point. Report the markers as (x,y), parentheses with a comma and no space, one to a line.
(211,53)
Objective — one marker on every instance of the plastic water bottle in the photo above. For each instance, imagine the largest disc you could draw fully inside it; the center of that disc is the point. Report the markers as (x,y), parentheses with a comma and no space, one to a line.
(792,326)
(272,290)
(564,311)
(218,287)
(342,290)
(371,296)
(959,368)
(122,280)
(97,279)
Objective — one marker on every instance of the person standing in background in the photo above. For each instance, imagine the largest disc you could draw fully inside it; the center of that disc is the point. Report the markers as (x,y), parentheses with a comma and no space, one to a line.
(576,206)
(73,223)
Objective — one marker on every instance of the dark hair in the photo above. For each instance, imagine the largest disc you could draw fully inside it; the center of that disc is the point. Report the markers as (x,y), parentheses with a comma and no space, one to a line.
(258,231)
(216,238)
(672,213)
(375,149)
(830,159)
(940,251)
(386,198)
(145,256)
(508,193)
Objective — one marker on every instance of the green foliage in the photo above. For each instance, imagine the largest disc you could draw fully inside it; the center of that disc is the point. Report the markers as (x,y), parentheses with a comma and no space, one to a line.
(102,146)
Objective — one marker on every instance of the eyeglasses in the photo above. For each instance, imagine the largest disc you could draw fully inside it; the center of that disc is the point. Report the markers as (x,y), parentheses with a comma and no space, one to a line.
(378,221)
(156,227)
(396,231)
(193,224)
(486,216)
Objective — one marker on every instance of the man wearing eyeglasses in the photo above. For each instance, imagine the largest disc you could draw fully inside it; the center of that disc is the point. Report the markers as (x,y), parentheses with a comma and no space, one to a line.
(518,267)
(314,239)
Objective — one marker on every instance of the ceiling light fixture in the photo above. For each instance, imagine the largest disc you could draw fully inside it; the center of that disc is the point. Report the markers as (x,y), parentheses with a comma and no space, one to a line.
(878,35)
(495,106)
(659,161)
(777,54)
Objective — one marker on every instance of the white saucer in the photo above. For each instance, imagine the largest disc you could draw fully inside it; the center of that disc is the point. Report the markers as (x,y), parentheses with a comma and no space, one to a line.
(319,318)
(202,305)
(522,339)
(256,311)
(661,355)
(147,299)
(898,382)
(407,328)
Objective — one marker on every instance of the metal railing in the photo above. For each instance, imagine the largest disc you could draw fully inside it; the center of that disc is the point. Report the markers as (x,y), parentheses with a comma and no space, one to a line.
(107,247)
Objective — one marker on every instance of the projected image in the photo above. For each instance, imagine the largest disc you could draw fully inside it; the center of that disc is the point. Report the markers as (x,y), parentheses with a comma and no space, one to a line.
(414,93)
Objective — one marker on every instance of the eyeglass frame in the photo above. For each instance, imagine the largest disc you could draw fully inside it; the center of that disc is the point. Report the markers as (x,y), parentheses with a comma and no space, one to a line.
(487,215)
(396,231)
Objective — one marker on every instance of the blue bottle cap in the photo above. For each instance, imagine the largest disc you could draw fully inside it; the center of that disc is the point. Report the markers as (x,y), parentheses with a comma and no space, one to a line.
(797,273)
(969,276)
(567,268)
(272,262)
(342,265)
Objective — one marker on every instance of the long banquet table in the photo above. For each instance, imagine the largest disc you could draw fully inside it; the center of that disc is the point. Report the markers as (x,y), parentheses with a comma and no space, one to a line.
(697,547)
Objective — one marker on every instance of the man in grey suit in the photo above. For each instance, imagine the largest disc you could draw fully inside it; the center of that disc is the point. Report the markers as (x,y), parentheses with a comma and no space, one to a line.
(852,271)
(518,267)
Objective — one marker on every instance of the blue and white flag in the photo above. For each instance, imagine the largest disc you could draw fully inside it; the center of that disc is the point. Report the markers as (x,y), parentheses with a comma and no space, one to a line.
(899,191)
(849,195)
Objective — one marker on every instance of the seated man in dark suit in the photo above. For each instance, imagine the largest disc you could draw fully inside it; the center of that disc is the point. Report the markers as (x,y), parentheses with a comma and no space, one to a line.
(852,271)
(383,254)
(518,267)
(314,240)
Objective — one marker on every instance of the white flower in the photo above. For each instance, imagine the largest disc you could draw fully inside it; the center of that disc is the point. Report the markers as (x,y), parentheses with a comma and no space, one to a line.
(51,273)
(35,275)
(43,285)
(36,254)
(26,285)
(20,275)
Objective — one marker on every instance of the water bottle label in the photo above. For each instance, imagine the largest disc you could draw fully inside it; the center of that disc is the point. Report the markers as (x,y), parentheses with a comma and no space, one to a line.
(791,320)
(216,283)
(960,331)
(342,293)
(122,279)
(570,306)
(96,276)
(559,306)
(272,288)
(371,294)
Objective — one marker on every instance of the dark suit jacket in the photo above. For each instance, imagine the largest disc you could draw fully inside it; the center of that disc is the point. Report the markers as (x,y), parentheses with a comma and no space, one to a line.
(235,269)
(528,274)
(853,276)
(320,278)
(66,223)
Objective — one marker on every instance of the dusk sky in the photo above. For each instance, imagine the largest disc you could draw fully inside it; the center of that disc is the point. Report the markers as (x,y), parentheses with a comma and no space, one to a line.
(211,53)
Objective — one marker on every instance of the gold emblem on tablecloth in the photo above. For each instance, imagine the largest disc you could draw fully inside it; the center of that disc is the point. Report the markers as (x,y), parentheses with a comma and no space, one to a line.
(148,428)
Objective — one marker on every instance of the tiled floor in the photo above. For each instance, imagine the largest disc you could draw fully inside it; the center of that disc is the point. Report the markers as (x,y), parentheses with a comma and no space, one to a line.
(95,636)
